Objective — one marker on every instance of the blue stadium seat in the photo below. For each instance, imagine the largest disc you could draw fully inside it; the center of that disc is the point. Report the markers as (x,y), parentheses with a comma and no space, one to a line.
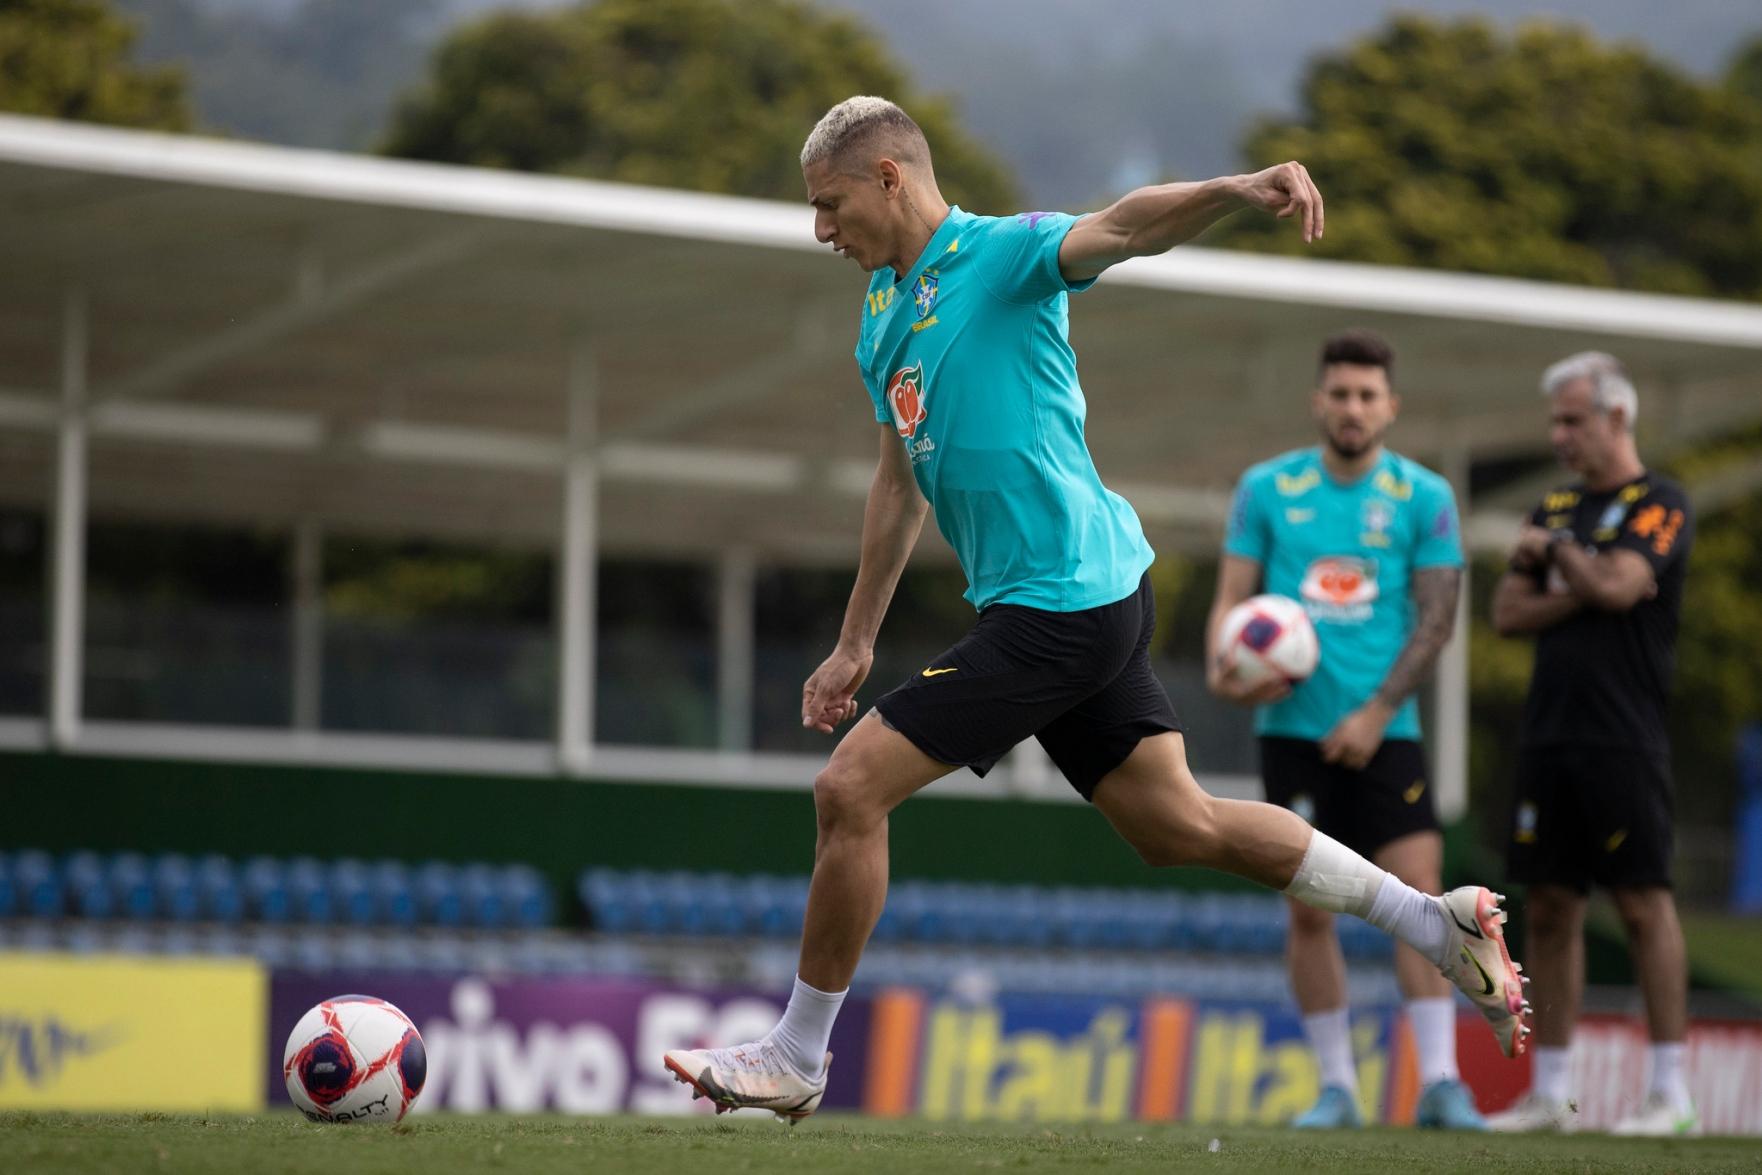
(439,901)
(219,891)
(9,901)
(131,884)
(268,897)
(526,896)
(176,896)
(309,888)
(481,889)
(352,892)
(87,884)
(394,893)
(602,895)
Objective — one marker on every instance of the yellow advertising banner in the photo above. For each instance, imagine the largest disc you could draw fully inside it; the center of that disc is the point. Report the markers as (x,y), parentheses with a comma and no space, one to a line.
(116,1032)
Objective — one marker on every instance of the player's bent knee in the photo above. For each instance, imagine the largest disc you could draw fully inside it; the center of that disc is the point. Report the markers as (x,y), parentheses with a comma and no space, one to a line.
(841,798)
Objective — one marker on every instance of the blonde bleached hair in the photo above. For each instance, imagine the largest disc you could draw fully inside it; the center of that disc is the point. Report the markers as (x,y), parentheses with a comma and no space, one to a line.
(864,123)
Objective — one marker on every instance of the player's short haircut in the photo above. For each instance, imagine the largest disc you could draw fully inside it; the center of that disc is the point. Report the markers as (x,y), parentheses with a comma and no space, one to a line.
(858,130)
(1610,386)
(1364,348)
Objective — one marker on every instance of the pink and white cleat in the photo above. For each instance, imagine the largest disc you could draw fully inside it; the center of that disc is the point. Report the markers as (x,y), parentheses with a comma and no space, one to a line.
(749,1076)
(1476,961)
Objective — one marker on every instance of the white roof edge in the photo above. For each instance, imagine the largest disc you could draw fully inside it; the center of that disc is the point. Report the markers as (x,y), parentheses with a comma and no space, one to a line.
(433,187)
(437,187)
(1434,293)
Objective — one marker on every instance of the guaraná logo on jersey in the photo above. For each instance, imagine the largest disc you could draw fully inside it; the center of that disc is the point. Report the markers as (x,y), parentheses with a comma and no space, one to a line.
(907,397)
(1340,587)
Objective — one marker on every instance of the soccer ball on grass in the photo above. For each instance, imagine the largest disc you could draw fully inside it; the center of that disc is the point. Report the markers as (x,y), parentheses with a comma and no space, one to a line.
(354,1058)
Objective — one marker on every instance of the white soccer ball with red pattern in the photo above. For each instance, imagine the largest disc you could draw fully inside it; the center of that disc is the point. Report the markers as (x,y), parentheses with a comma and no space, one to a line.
(354,1058)
(1267,638)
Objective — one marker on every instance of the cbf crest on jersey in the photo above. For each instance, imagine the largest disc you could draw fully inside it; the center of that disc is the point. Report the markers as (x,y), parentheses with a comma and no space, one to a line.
(924,294)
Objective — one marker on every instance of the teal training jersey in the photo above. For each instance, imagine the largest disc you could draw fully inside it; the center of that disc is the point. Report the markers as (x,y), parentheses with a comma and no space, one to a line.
(968,356)
(1348,552)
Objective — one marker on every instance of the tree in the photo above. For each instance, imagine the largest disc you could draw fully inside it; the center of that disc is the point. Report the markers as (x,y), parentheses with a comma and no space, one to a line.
(70,59)
(1540,154)
(714,95)
(1744,74)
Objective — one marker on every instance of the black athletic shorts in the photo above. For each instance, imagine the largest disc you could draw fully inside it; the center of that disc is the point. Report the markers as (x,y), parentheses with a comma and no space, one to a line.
(1363,810)
(1591,815)
(1080,682)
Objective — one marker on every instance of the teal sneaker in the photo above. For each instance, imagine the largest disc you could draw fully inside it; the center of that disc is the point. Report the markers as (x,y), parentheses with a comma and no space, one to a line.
(1335,1109)
(1447,1105)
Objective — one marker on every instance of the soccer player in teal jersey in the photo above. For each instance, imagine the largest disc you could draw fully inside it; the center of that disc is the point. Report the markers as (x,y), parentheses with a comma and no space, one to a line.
(963,347)
(1368,541)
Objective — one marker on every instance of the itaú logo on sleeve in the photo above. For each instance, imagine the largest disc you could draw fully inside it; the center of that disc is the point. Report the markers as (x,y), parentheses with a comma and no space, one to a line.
(1340,587)
(908,398)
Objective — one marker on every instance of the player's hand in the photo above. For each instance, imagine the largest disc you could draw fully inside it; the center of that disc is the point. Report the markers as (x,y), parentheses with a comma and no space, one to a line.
(1531,551)
(829,697)
(1287,191)
(1355,738)
(1223,679)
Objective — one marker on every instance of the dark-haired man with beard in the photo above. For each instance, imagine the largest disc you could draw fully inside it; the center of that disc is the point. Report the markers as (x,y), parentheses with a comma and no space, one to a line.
(1367,540)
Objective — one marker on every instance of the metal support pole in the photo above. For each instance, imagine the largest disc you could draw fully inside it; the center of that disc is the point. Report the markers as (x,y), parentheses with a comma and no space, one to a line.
(308,627)
(67,619)
(578,551)
(1450,749)
(736,575)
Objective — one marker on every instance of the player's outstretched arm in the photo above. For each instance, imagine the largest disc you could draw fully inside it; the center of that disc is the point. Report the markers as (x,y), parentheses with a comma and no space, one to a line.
(1153,220)
(892,519)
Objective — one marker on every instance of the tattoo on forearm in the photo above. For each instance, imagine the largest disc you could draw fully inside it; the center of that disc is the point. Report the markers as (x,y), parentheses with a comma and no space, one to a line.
(1434,595)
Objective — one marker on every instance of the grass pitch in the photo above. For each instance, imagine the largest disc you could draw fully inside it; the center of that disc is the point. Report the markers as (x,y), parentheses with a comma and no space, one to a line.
(60,1144)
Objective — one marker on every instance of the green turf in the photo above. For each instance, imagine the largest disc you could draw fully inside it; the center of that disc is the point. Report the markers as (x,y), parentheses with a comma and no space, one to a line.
(53,1144)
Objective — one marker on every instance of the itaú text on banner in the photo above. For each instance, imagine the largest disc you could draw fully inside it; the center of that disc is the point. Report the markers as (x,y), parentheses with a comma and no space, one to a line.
(115,1032)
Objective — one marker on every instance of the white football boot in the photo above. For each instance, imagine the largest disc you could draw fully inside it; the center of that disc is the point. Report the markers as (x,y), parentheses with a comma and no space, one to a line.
(1534,1114)
(1476,961)
(1657,1118)
(749,1077)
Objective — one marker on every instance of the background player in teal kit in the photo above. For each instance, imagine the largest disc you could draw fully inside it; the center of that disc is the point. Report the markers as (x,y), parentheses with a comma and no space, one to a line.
(1368,541)
(964,350)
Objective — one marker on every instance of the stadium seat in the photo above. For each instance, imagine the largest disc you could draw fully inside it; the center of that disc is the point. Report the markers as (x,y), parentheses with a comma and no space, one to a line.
(131,885)
(267,896)
(394,893)
(220,892)
(352,893)
(439,901)
(87,884)
(175,893)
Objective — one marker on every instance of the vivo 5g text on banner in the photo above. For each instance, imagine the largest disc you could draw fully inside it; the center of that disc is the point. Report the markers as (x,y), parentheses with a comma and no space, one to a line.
(100,1032)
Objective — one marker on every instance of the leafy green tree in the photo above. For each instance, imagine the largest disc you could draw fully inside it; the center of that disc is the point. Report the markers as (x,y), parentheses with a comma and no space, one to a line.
(1744,74)
(70,59)
(1540,154)
(714,95)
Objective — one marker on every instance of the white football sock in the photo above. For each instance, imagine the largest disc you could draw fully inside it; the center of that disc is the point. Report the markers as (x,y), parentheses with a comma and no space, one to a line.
(1333,877)
(1330,1035)
(806,1028)
(1668,1078)
(1548,1077)
(1434,1038)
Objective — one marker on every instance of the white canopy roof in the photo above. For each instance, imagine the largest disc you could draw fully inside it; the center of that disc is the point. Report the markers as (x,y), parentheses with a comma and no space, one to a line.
(267,335)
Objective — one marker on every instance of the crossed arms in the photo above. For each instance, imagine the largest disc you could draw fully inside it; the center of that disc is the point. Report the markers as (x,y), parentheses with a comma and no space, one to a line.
(1613,580)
